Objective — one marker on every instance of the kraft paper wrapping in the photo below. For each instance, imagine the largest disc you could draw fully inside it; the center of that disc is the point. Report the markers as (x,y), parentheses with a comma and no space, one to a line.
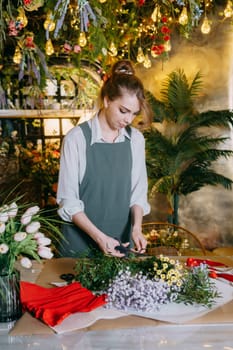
(28,325)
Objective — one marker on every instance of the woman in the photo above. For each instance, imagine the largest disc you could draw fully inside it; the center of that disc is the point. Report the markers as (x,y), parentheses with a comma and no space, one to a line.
(102,187)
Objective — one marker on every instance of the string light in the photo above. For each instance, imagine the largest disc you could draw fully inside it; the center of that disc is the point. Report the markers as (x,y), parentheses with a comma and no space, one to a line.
(183,19)
(228,12)
(147,62)
(112,49)
(17,55)
(49,49)
(49,24)
(156,14)
(140,55)
(82,40)
(205,28)
(167,46)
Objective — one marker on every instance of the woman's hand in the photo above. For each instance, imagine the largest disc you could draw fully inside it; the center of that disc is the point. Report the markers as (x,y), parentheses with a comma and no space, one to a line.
(108,244)
(139,239)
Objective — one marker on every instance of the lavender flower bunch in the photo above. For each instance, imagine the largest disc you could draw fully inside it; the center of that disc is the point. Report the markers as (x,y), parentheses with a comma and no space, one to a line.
(128,291)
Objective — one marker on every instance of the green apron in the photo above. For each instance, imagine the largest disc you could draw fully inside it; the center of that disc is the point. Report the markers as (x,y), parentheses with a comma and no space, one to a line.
(105,191)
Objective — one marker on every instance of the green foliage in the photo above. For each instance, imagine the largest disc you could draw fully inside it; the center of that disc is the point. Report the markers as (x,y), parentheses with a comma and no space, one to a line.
(198,286)
(97,273)
(180,154)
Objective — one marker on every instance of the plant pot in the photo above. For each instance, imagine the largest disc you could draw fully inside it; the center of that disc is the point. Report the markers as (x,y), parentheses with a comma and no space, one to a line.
(10,305)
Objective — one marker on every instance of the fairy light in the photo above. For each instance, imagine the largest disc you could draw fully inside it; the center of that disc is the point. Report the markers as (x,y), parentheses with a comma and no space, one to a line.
(112,49)
(82,40)
(140,55)
(167,46)
(228,12)
(49,24)
(156,14)
(17,55)
(147,62)
(49,49)
(205,27)
(183,19)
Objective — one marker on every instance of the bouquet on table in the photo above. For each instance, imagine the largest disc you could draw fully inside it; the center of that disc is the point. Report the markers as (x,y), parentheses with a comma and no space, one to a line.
(23,230)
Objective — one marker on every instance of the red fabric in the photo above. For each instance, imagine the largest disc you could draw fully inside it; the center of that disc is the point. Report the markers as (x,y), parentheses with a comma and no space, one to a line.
(213,274)
(197,262)
(53,305)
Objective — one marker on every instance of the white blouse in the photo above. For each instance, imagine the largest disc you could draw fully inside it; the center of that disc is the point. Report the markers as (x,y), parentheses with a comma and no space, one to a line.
(73,165)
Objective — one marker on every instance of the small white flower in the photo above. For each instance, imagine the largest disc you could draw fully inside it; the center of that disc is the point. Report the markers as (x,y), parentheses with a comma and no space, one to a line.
(13,210)
(26,219)
(20,236)
(43,241)
(33,227)
(3,248)
(45,252)
(2,227)
(26,262)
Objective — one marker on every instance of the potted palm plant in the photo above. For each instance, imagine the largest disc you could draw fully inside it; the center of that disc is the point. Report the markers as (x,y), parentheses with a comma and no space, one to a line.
(180,150)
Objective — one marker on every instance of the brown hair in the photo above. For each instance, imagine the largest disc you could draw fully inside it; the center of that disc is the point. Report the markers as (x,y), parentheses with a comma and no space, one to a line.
(122,77)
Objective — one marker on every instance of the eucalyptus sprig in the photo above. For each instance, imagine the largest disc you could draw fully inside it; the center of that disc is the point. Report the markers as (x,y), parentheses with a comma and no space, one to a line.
(198,287)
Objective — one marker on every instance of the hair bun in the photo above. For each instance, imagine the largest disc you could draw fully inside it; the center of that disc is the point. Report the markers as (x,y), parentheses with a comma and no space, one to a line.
(123,67)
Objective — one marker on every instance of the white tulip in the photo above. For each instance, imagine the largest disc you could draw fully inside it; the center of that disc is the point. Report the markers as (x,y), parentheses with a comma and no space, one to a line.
(43,241)
(38,235)
(3,248)
(13,210)
(32,210)
(4,216)
(26,219)
(20,236)
(2,227)
(33,227)
(45,252)
(26,262)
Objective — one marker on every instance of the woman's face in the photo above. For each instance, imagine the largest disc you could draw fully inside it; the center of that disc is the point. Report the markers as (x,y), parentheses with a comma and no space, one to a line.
(121,112)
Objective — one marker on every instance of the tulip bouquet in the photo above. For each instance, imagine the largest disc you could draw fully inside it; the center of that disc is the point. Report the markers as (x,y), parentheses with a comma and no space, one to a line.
(22,236)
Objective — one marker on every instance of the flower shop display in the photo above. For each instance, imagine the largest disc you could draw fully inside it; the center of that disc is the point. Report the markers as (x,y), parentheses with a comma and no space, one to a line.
(42,167)
(26,234)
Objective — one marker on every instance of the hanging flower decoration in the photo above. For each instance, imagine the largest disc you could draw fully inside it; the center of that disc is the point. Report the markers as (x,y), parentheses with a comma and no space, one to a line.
(85,12)
(32,60)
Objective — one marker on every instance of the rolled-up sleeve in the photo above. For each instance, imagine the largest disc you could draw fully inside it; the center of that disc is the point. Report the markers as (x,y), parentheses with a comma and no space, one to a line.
(70,174)
(139,194)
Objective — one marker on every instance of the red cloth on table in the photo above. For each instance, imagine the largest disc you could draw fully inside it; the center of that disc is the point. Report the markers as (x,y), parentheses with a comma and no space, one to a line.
(53,305)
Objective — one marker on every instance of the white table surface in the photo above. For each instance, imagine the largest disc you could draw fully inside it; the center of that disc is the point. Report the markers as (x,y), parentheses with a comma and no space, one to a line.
(162,337)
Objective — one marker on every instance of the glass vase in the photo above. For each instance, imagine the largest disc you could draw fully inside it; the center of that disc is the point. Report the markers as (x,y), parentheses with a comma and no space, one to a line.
(10,305)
